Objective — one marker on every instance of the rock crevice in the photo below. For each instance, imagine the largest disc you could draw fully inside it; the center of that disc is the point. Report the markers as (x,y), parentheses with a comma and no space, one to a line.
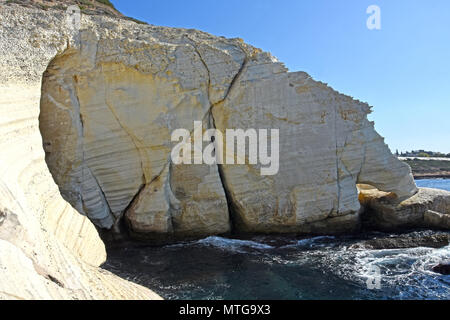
(176,77)
(93,110)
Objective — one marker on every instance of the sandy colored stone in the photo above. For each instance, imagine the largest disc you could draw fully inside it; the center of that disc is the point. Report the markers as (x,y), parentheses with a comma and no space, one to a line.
(437,220)
(429,208)
(108,108)
(327,146)
(111,100)
(109,97)
(48,250)
(106,99)
(184,201)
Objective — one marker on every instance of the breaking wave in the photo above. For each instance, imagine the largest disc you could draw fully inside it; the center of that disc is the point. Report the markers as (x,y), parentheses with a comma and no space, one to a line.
(280,268)
(233,244)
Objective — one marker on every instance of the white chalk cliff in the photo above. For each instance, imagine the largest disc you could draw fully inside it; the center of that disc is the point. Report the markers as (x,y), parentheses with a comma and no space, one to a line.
(97,107)
(47,249)
(111,100)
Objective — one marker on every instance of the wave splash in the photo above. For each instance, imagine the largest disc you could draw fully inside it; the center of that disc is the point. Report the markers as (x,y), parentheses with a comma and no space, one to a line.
(284,268)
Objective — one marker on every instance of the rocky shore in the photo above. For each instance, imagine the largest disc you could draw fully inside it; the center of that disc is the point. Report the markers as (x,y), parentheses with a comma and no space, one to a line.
(429,169)
(86,118)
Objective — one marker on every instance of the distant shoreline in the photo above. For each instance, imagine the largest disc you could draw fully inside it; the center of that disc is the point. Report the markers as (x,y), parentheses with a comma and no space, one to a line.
(431,176)
(429,168)
(423,158)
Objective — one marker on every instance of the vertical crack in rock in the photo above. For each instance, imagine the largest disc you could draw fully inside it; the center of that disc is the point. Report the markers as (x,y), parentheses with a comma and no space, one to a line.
(169,194)
(212,123)
(338,182)
(236,76)
(192,44)
(141,189)
(342,163)
(228,197)
(362,163)
(232,82)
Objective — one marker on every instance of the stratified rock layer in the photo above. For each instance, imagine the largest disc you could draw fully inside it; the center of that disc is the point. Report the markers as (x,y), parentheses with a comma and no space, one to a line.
(47,249)
(111,100)
(327,146)
(109,97)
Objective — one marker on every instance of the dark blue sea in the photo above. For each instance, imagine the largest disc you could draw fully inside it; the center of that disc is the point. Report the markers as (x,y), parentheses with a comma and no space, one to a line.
(285,268)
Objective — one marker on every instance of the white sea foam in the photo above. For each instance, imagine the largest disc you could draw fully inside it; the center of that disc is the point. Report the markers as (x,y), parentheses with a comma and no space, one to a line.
(233,244)
(310,242)
(410,269)
(238,245)
(403,273)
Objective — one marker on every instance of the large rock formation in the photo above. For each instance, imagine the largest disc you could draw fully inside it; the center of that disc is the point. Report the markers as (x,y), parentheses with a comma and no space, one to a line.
(112,97)
(47,249)
(327,146)
(109,96)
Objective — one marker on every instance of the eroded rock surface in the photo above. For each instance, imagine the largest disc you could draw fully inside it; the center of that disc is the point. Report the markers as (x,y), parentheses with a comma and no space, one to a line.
(48,250)
(430,239)
(327,146)
(108,97)
(107,113)
(111,101)
(429,208)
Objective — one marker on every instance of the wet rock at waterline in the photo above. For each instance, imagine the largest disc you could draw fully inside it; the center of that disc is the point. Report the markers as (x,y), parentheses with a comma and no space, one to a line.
(106,100)
(429,239)
(48,249)
(442,268)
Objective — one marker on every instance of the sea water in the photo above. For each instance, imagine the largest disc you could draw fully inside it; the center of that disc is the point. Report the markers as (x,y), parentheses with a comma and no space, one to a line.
(275,267)
(434,183)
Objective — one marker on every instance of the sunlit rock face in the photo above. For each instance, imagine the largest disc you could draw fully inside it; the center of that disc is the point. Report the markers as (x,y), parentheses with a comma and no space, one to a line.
(428,208)
(107,114)
(48,250)
(110,103)
(327,145)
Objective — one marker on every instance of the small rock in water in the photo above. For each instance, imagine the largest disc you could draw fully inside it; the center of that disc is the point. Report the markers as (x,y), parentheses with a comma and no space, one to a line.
(410,240)
(442,269)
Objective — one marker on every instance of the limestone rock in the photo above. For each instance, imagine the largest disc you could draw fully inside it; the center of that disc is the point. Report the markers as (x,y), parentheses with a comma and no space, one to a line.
(108,109)
(327,146)
(442,268)
(437,220)
(429,208)
(428,238)
(106,99)
(111,100)
(114,91)
(196,207)
(48,250)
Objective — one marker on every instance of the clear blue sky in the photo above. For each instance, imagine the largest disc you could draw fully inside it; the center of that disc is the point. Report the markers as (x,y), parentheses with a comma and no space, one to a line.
(402,70)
